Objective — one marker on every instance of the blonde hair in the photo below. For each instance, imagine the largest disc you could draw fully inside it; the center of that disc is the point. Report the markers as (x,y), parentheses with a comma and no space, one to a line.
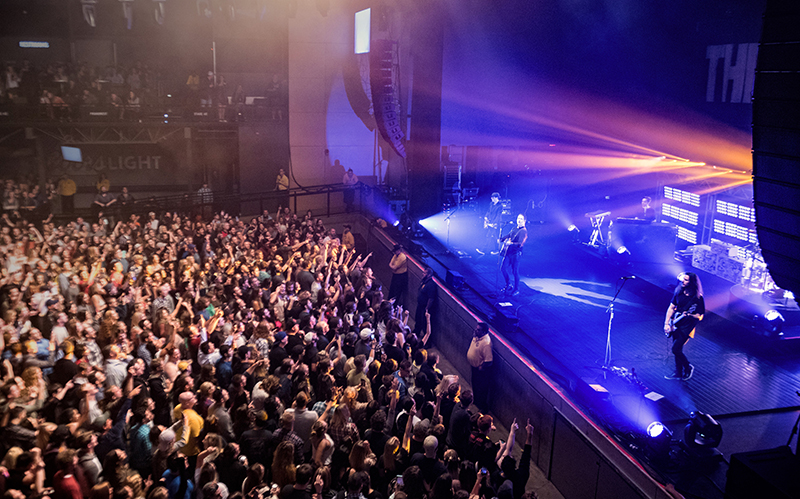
(10,459)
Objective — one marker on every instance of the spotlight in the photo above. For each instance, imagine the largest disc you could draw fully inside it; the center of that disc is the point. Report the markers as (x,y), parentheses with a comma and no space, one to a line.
(659,441)
(774,323)
(396,223)
(573,228)
(655,429)
(703,433)
(622,250)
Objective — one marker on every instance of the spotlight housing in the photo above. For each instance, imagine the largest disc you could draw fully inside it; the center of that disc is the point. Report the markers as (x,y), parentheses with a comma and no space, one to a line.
(572,228)
(703,433)
(623,250)
(773,323)
(659,441)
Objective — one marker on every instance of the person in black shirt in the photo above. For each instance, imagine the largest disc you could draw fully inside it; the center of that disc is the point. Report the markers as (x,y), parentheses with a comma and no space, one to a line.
(511,251)
(647,212)
(426,297)
(491,223)
(685,310)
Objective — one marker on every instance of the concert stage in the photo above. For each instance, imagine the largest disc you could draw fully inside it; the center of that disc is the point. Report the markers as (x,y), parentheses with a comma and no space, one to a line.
(559,321)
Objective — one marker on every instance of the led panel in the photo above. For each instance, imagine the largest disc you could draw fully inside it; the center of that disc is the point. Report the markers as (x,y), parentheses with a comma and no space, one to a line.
(686,216)
(685,197)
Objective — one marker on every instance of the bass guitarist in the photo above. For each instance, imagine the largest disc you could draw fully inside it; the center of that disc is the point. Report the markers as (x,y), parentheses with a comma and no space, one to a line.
(685,310)
(491,224)
(511,251)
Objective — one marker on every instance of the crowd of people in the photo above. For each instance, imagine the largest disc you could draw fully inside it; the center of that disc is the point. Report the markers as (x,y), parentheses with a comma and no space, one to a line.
(61,90)
(179,357)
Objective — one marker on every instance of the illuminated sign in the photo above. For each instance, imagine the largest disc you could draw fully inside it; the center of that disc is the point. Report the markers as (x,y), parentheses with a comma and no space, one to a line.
(27,44)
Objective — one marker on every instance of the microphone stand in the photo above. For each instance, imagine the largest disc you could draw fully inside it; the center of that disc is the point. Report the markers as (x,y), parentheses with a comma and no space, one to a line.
(610,311)
(448,227)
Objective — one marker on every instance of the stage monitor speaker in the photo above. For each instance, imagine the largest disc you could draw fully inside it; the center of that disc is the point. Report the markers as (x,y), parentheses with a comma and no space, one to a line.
(454,279)
(506,319)
(769,473)
(776,143)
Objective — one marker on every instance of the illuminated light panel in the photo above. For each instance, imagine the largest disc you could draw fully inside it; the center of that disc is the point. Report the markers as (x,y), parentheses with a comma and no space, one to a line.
(687,235)
(29,44)
(735,231)
(736,211)
(685,197)
(362,31)
(686,216)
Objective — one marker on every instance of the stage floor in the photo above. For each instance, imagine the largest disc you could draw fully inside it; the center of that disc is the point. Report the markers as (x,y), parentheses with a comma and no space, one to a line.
(563,324)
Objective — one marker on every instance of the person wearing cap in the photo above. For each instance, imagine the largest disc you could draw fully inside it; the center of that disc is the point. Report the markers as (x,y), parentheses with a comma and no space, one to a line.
(491,223)
(278,351)
(363,344)
(399,265)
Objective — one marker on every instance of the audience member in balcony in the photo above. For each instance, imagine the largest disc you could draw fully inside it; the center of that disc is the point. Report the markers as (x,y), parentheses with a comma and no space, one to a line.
(118,104)
(209,91)
(116,77)
(47,103)
(125,198)
(11,79)
(89,99)
(238,101)
(274,91)
(59,106)
(102,181)
(103,200)
(221,98)
(192,87)
(10,201)
(134,80)
(350,181)
(133,105)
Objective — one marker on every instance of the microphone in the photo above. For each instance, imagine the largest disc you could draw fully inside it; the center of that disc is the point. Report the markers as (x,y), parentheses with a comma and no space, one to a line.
(628,277)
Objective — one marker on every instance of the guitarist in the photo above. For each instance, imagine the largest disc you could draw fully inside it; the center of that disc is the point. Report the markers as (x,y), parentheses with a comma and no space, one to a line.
(685,310)
(511,251)
(491,222)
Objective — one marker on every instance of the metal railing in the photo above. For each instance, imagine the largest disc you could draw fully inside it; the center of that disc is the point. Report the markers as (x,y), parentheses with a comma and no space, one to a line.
(195,203)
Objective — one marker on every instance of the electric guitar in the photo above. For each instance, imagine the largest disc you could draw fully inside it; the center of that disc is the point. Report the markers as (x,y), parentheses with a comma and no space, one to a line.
(678,318)
(505,244)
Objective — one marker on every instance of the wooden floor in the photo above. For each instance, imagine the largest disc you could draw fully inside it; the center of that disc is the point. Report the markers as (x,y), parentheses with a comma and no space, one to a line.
(563,328)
